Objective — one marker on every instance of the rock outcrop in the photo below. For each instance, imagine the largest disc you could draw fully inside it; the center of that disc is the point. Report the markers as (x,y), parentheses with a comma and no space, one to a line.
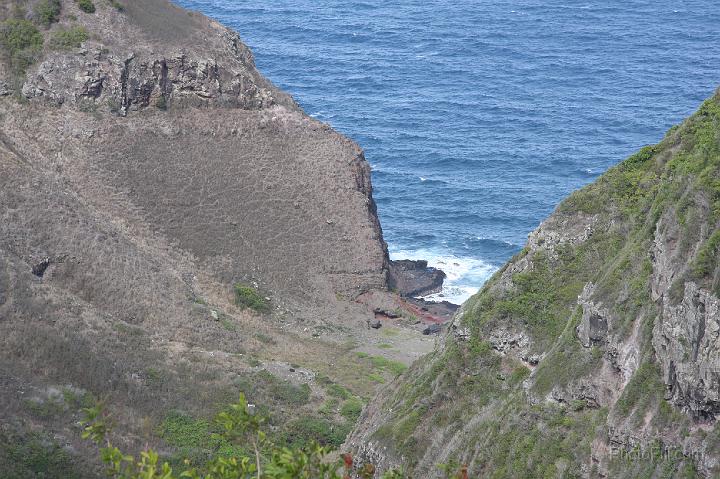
(593,327)
(414,278)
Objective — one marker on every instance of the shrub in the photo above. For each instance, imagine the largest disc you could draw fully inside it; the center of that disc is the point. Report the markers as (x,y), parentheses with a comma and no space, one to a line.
(45,408)
(338,391)
(21,41)
(644,386)
(247,297)
(34,455)
(228,325)
(161,103)
(47,11)
(182,430)
(351,409)
(707,256)
(286,392)
(86,6)
(308,429)
(241,429)
(69,38)
(395,367)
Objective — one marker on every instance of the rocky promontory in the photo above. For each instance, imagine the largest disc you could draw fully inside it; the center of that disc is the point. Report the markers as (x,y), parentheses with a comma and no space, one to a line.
(414,278)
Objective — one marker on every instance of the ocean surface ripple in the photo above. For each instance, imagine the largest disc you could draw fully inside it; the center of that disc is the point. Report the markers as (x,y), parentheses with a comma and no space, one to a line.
(479,116)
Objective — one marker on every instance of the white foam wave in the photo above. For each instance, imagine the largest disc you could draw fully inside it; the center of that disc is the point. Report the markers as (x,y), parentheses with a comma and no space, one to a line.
(465,275)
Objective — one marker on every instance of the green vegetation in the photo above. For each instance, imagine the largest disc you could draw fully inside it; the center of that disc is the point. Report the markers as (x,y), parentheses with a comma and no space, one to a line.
(302,432)
(33,455)
(228,325)
(56,403)
(568,360)
(394,367)
(161,103)
(248,297)
(389,332)
(179,429)
(645,387)
(263,385)
(64,39)
(376,378)
(706,260)
(351,409)
(86,6)
(77,398)
(45,408)
(21,43)
(239,428)
(382,364)
(677,181)
(46,12)
(337,391)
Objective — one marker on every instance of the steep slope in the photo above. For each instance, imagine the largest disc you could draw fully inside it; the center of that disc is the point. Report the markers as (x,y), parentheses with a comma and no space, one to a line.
(164,112)
(592,353)
(146,167)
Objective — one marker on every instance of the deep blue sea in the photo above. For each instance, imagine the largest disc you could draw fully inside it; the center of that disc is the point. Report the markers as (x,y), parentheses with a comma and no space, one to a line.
(479,116)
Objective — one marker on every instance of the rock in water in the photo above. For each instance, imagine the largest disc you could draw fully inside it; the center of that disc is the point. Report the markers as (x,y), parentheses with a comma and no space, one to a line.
(415,278)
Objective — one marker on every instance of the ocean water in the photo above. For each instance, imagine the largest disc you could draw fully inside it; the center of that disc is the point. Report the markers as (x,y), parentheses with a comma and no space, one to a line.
(479,116)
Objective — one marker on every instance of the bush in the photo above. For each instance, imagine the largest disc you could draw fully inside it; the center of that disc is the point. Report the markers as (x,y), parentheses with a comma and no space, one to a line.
(308,429)
(286,392)
(241,428)
(21,41)
(338,391)
(247,297)
(34,455)
(182,430)
(86,6)
(351,409)
(161,103)
(707,257)
(69,38)
(47,11)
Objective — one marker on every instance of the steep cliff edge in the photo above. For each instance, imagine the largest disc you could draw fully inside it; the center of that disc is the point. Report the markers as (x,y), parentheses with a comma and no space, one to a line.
(146,168)
(595,352)
(159,115)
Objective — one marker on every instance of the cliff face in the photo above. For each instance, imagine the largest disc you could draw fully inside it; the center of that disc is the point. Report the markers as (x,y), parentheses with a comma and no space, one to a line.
(592,353)
(145,168)
(161,121)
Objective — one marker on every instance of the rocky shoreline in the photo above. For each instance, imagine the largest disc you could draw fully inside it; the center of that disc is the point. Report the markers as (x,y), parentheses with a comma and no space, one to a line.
(412,279)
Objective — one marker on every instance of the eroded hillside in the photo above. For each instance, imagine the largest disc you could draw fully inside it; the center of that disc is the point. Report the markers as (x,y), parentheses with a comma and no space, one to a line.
(174,230)
(595,351)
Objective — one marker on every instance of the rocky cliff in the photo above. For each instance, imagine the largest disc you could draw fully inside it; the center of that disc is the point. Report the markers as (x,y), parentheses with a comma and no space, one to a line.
(595,351)
(159,115)
(146,168)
